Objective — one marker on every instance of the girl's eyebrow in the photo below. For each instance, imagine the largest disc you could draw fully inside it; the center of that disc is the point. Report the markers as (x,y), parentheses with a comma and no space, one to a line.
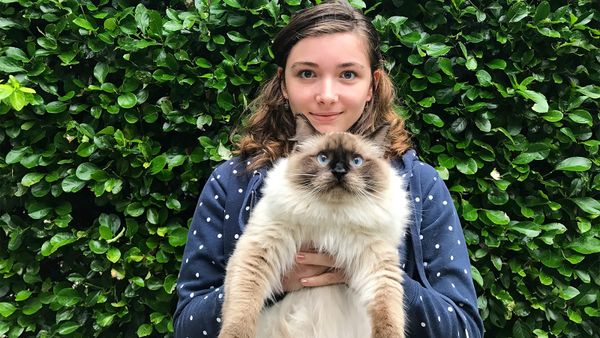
(315,65)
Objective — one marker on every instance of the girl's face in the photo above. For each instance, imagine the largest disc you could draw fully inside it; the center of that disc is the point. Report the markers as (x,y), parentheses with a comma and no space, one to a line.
(328,80)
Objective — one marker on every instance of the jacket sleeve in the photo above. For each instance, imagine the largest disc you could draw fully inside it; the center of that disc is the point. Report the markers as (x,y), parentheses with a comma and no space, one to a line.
(200,281)
(441,300)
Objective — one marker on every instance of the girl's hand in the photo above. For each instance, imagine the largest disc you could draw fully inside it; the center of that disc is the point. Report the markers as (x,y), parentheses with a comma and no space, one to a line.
(312,269)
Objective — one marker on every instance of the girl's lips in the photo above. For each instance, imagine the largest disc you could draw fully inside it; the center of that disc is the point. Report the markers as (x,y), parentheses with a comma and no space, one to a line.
(325,117)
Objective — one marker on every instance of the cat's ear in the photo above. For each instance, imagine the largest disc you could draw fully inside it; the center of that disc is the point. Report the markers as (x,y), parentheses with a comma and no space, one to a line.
(379,136)
(304,129)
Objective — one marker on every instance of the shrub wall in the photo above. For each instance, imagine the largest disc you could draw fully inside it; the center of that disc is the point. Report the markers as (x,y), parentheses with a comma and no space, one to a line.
(113,113)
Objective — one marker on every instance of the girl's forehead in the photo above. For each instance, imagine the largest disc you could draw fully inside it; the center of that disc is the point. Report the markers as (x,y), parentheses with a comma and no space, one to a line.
(347,47)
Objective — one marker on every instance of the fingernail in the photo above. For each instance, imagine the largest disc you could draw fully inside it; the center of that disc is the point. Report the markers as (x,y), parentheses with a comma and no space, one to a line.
(300,257)
(304,281)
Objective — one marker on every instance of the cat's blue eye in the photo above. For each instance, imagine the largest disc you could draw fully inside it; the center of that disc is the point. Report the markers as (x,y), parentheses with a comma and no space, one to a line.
(322,159)
(357,161)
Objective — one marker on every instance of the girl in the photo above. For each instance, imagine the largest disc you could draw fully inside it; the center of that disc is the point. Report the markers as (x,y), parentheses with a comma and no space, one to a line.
(329,69)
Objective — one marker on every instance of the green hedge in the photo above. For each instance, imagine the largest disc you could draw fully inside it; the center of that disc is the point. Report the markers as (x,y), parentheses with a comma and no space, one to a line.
(113,113)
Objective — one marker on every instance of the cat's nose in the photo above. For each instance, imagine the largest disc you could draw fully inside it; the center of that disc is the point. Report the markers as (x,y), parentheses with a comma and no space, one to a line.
(339,170)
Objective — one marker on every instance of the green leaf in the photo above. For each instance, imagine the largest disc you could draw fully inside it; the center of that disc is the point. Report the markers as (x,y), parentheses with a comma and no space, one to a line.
(526,229)
(31,178)
(591,91)
(582,117)
(98,247)
(17,100)
(541,105)
(145,330)
(574,164)
(68,297)
(38,210)
(435,49)
(553,116)
(225,101)
(22,295)
(101,71)
(135,209)
(236,37)
(56,242)
(105,319)
(32,307)
(569,293)
(56,107)
(169,284)
(496,64)
(7,309)
(142,19)
(68,328)
(517,12)
(16,154)
(484,78)
(8,65)
(497,217)
(574,316)
(86,170)
(5,91)
(587,245)
(433,119)
(467,167)
(476,275)
(471,63)
(113,254)
(178,237)
(542,11)
(72,184)
(446,66)
(152,216)
(203,63)
(83,23)
(127,100)
(158,163)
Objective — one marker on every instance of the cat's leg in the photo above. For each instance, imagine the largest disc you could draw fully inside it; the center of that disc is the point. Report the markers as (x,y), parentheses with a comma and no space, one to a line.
(253,272)
(379,285)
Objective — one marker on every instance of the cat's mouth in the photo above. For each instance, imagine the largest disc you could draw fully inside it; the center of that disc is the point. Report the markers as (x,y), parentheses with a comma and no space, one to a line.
(339,186)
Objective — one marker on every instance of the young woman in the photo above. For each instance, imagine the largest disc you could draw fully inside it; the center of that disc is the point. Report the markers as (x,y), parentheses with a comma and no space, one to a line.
(330,70)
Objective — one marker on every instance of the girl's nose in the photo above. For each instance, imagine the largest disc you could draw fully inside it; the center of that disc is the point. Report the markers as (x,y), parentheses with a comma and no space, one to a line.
(327,93)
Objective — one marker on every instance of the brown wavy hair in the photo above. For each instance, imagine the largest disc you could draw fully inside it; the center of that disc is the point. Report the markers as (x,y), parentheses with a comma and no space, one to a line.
(271,127)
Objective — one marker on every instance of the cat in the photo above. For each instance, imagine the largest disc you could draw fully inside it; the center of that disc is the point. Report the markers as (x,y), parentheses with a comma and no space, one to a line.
(336,192)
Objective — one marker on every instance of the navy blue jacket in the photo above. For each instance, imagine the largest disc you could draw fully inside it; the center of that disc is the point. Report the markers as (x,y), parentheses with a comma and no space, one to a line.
(438,289)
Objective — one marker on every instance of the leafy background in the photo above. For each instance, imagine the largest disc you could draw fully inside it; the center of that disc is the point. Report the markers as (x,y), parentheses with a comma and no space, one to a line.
(113,113)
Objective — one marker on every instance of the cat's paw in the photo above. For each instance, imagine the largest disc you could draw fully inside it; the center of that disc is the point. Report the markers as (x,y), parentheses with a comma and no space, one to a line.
(387,330)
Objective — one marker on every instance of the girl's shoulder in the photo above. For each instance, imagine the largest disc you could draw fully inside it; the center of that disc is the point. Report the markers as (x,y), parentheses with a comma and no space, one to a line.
(415,171)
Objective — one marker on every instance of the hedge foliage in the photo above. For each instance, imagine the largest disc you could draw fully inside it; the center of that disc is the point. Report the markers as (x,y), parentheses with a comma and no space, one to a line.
(113,113)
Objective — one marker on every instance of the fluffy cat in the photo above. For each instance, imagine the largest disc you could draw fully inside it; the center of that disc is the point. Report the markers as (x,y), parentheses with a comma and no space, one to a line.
(337,193)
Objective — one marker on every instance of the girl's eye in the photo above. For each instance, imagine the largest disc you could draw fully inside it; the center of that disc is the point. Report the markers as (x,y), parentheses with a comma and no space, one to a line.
(348,75)
(357,161)
(322,159)
(306,74)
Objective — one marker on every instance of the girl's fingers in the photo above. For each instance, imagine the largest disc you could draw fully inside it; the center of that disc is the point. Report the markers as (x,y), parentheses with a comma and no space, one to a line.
(313,258)
(327,278)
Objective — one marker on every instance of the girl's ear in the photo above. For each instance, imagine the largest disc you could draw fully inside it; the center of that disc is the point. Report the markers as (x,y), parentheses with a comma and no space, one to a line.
(281,77)
(374,85)
(376,78)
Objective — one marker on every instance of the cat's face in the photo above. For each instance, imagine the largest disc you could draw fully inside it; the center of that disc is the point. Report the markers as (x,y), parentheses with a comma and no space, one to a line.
(337,166)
